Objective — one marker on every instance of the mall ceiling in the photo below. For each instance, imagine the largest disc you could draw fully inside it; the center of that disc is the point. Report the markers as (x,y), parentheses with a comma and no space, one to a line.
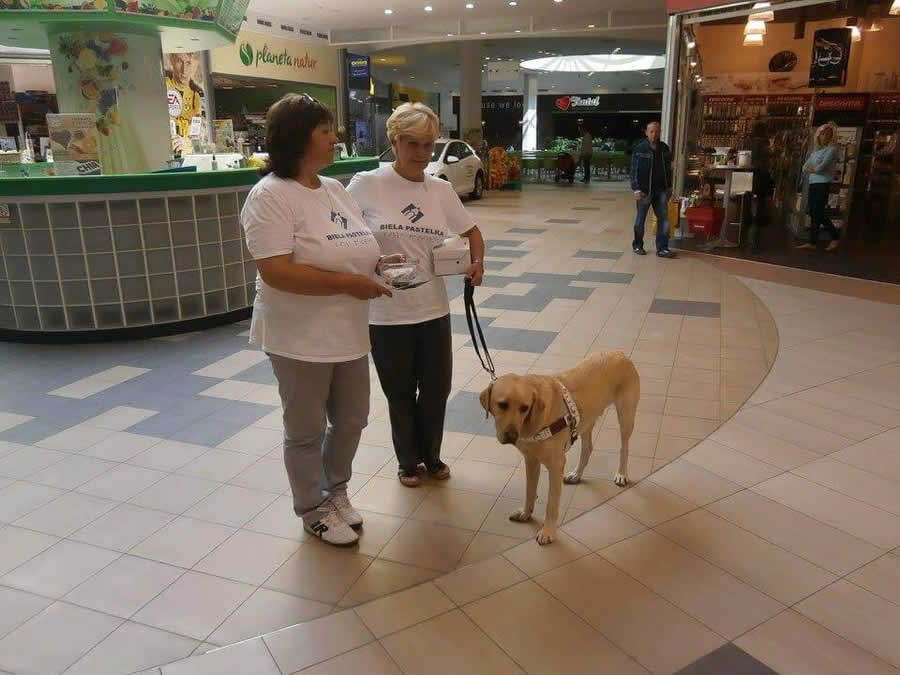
(435,67)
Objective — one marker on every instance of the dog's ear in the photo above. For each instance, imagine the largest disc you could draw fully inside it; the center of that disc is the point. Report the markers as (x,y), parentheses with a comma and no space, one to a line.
(486,400)
(538,407)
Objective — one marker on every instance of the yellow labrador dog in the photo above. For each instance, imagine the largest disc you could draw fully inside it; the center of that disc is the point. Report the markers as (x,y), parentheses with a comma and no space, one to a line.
(542,415)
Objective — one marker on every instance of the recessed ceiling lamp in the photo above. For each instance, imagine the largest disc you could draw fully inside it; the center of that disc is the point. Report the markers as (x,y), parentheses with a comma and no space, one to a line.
(691,44)
(753,40)
(470,5)
(765,12)
(388,11)
(449,34)
(484,32)
(519,30)
(616,50)
(428,8)
(513,3)
(755,28)
(557,1)
(591,25)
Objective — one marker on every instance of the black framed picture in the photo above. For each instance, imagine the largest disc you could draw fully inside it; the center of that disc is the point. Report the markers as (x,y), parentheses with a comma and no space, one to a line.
(830,57)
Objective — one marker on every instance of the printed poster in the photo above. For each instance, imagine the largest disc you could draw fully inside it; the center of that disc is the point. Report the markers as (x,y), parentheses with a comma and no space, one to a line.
(75,142)
(224,134)
(830,57)
(186,88)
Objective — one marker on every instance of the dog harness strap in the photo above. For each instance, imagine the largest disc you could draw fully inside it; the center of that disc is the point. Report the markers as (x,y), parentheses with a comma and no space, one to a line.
(569,421)
(472,316)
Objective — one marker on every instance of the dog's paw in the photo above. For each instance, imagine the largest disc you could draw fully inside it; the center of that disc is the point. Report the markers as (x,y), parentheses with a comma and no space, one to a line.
(520,516)
(571,478)
(545,536)
(621,480)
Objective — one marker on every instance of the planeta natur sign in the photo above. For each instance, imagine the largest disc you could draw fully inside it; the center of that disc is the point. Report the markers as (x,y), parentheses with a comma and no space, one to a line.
(269,57)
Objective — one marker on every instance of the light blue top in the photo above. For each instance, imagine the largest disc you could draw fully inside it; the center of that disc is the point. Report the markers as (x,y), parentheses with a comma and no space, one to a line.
(822,163)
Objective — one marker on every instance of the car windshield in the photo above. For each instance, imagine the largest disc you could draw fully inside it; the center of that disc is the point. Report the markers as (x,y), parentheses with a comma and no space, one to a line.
(388,155)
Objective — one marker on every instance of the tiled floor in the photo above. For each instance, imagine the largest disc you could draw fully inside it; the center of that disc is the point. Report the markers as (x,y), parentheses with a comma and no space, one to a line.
(151,515)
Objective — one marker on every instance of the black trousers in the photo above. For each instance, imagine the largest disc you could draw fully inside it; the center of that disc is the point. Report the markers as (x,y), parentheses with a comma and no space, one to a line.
(818,204)
(586,165)
(415,368)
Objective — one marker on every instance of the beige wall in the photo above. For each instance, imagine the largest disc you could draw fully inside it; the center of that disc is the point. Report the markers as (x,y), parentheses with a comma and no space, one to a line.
(722,51)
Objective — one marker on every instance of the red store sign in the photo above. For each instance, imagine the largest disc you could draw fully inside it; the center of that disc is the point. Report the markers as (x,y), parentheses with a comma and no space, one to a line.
(842,102)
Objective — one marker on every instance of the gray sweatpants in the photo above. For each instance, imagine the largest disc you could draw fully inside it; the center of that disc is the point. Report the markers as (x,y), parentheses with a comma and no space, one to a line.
(326,407)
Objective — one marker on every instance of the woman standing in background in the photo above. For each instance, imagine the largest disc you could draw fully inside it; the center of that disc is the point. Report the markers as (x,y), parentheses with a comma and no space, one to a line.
(819,167)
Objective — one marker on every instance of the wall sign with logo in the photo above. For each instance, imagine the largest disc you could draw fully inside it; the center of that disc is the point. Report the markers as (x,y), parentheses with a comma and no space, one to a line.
(266,56)
(358,71)
(577,103)
(830,57)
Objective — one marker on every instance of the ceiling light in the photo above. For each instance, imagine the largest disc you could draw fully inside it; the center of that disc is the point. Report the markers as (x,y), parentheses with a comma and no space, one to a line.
(591,25)
(484,32)
(470,5)
(513,3)
(895,8)
(449,34)
(753,40)
(388,11)
(428,8)
(693,63)
(765,13)
(487,58)
(855,34)
(691,44)
(557,1)
(755,28)
(596,63)
(519,30)
(616,50)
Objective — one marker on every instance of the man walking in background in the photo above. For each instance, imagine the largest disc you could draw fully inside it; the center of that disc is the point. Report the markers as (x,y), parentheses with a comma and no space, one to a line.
(651,182)
(587,151)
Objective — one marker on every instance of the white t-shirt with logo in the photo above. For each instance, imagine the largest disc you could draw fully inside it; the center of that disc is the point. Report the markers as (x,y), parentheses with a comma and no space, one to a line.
(410,218)
(322,228)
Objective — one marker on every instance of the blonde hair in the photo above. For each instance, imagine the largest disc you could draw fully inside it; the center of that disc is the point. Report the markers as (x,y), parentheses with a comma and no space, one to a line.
(821,130)
(413,119)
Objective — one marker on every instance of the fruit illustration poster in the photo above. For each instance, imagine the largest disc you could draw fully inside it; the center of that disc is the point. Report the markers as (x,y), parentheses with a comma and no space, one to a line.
(118,79)
(74,140)
(199,10)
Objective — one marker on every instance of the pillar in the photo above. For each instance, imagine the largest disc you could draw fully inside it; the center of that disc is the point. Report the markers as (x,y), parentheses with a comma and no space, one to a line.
(470,93)
(118,77)
(448,117)
(529,118)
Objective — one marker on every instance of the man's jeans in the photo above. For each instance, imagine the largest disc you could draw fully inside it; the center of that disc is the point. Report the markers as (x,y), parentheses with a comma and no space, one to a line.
(659,202)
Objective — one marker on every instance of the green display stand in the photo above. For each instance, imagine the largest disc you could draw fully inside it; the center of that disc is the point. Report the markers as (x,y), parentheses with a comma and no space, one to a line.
(107,61)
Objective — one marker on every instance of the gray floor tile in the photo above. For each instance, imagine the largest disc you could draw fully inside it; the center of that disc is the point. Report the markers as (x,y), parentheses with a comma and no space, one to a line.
(599,255)
(563,221)
(30,432)
(261,373)
(527,230)
(686,307)
(506,253)
(727,660)
(491,243)
(495,265)
(607,277)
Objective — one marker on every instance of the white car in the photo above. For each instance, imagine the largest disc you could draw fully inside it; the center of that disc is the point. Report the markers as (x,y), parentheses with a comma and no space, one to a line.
(455,162)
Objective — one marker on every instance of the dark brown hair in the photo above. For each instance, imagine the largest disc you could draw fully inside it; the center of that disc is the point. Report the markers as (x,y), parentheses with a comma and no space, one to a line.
(289,126)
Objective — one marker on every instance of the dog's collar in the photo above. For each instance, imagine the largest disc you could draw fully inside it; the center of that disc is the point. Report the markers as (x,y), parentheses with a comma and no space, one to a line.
(570,420)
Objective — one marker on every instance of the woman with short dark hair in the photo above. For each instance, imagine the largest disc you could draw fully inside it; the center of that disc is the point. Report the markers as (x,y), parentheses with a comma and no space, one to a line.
(316,260)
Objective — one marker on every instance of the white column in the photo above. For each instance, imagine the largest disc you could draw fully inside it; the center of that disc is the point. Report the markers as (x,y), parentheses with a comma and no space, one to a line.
(529,118)
(448,118)
(470,93)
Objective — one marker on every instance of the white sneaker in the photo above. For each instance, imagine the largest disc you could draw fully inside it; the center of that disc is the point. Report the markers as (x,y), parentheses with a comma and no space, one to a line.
(350,515)
(329,526)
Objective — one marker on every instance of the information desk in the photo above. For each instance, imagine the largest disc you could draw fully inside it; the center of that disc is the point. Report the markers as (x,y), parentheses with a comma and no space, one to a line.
(88,257)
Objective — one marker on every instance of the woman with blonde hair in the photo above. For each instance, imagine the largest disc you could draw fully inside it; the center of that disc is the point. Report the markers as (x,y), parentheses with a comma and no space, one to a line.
(819,167)
(410,212)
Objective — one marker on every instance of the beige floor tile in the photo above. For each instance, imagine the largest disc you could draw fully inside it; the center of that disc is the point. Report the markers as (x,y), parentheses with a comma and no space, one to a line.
(319,573)
(695,376)
(383,577)
(448,645)
(455,507)
(723,603)
(811,539)
(881,576)
(481,579)
(478,477)
(249,557)
(595,491)
(861,520)
(404,609)
(854,613)
(791,643)
(872,457)
(498,522)
(309,643)
(687,427)
(371,659)
(485,545)
(671,447)
(730,464)
(761,446)
(602,527)
(388,496)
(488,449)
(250,656)
(651,504)
(755,561)
(194,605)
(848,426)
(853,482)
(693,483)
(231,505)
(644,421)
(694,390)
(602,467)
(534,559)
(654,387)
(848,405)
(793,431)
(183,542)
(264,612)
(610,441)
(132,647)
(437,547)
(710,361)
(59,569)
(278,519)
(656,633)
(559,642)
(692,407)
